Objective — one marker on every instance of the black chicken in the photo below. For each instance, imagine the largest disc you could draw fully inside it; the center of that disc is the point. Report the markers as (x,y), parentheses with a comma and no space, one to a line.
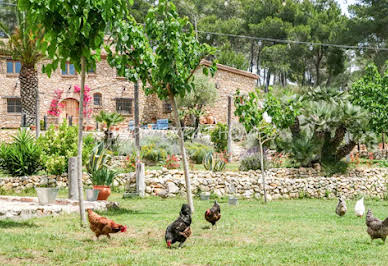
(180,229)
(376,227)
(213,214)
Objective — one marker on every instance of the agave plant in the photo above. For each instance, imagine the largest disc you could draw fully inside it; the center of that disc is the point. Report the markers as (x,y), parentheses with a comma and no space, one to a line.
(22,156)
(214,162)
(103,177)
(99,159)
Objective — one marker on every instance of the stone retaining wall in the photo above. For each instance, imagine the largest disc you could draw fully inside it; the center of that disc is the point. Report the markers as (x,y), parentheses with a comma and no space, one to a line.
(281,183)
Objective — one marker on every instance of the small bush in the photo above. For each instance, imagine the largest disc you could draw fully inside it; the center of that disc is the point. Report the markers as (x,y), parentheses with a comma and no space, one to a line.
(55,165)
(197,151)
(250,162)
(131,162)
(22,156)
(331,168)
(172,162)
(219,137)
(152,154)
(63,142)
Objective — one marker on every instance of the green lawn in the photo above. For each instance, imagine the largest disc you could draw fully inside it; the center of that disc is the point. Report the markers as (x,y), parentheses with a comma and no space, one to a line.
(281,232)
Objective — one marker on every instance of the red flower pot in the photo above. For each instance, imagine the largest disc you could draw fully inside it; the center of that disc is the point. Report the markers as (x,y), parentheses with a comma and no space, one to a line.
(104,192)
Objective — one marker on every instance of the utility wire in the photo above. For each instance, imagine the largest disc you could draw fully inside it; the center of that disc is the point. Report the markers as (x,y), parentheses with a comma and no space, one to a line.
(295,42)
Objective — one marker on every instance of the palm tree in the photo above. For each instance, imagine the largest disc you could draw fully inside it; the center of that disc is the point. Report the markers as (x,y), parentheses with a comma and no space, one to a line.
(109,119)
(23,45)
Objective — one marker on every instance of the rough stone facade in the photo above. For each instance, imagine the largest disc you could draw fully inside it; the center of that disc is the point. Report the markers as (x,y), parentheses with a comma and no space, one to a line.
(105,82)
(281,183)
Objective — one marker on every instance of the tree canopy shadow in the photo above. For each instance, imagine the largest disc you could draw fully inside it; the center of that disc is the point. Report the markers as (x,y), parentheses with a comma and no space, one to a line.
(8,223)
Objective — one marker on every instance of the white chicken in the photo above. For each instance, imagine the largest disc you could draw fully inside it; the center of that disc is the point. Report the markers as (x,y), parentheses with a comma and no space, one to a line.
(359,209)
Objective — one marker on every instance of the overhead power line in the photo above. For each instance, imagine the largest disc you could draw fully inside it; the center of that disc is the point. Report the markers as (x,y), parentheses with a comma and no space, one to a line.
(295,42)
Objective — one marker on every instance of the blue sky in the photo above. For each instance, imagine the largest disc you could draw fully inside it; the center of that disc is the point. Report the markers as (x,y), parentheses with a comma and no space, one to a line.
(345,3)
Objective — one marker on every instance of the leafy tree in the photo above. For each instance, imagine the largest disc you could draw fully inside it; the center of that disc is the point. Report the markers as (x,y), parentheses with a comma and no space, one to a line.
(251,113)
(227,56)
(8,16)
(178,55)
(371,92)
(368,25)
(23,46)
(193,104)
(75,33)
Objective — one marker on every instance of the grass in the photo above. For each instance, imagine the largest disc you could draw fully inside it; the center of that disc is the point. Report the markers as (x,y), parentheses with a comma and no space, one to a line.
(281,232)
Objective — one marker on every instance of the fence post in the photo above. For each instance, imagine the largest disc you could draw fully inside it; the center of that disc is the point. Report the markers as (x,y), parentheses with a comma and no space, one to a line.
(229,128)
(45,122)
(24,120)
(72,178)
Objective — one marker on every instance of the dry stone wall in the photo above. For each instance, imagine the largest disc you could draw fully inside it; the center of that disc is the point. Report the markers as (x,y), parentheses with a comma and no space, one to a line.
(281,183)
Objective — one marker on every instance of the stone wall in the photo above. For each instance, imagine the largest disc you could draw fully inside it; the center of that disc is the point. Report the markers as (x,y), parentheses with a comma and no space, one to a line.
(281,183)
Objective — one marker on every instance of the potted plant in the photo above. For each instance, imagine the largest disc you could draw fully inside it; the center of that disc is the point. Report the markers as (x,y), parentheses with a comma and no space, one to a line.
(102,179)
(97,167)
(47,192)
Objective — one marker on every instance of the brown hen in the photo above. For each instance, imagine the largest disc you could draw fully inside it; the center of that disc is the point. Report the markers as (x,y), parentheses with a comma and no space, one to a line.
(102,225)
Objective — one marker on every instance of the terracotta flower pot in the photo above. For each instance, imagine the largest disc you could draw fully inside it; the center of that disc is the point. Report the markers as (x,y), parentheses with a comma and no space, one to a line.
(104,192)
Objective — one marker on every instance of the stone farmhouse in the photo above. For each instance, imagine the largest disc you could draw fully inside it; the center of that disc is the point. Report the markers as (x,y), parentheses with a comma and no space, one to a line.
(109,92)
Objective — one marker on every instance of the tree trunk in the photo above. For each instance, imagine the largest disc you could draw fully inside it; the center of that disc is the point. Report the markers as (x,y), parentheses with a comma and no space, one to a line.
(37,119)
(267,81)
(183,151)
(251,63)
(139,164)
(262,168)
(229,128)
(345,150)
(28,78)
(80,131)
(317,67)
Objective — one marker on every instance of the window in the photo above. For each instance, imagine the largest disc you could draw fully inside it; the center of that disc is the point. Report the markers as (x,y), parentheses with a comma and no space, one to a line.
(13,67)
(14,105)
(69,70)
(92,71)
(124,105)
(167,108)
(97,99)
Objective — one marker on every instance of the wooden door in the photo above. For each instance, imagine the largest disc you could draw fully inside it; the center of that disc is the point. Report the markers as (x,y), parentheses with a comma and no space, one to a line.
(70,108)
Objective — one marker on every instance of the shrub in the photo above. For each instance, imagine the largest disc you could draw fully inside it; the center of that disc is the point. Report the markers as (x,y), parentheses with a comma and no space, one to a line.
(55,165)
(152,154)
(250,162)
(214,162)
(172,162)
(131,162)
(22,156)
(219,137)
(63,142)
(197,151)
